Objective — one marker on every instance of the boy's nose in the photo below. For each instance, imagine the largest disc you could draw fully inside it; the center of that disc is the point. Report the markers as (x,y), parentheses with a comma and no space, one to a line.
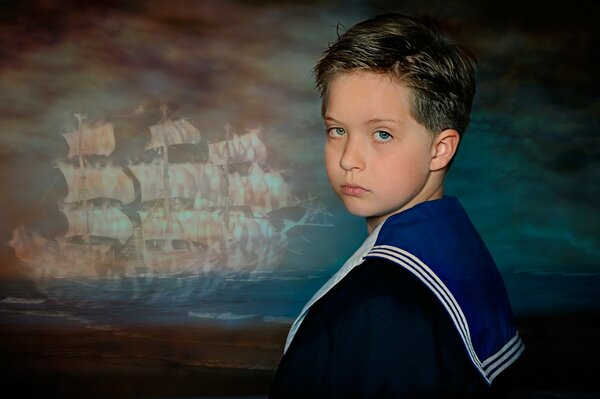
(352,158)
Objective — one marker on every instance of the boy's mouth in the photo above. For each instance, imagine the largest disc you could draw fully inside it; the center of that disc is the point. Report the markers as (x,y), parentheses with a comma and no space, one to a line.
(352,190)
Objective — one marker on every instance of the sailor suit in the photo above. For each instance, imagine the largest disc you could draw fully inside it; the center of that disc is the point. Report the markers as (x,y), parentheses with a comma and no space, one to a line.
(419,311)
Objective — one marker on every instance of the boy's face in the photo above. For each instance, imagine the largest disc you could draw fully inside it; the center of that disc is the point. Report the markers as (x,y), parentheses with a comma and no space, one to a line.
(376,155)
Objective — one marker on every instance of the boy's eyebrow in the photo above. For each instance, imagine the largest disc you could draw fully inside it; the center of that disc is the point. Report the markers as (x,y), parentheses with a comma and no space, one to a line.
(379,120)
(328,118)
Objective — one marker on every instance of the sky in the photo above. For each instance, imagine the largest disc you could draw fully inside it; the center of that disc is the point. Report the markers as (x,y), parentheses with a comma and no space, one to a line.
(527,171)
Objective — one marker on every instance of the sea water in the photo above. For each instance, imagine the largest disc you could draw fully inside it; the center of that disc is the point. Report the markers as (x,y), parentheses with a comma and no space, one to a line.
(270,298)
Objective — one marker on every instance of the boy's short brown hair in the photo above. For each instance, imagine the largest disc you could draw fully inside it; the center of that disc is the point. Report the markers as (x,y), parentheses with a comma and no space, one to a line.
(441,75)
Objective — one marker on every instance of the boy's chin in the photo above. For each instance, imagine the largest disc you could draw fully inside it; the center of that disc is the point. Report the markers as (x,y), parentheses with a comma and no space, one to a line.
(370,215)
(360,211)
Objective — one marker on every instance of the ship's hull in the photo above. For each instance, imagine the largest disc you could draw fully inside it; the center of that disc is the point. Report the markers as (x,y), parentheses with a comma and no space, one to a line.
(60,268)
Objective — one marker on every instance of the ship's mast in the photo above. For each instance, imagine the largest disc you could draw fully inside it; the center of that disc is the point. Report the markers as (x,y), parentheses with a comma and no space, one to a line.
(83,189)
(226,196)
(166,187)
(227,162)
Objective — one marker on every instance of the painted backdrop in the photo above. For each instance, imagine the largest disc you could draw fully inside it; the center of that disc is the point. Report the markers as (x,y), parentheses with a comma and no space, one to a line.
(527,172)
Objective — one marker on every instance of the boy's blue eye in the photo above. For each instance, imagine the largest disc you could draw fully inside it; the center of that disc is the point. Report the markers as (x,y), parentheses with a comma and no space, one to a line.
(336,131)
(382,136)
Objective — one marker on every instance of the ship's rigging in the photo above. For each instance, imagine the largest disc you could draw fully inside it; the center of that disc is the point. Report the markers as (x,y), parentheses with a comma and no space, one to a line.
(163,215)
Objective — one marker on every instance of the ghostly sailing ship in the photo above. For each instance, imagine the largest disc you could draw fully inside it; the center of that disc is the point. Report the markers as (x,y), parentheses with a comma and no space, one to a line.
(163,216)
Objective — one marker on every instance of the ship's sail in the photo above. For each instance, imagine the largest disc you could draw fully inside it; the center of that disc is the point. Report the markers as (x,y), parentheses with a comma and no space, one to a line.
(210,184)
(246,230)
(260,190)
(100,182)
(246,148)
(110,222)
(191,225)
(180,131)
(182,182)
(98,140)
(254,243)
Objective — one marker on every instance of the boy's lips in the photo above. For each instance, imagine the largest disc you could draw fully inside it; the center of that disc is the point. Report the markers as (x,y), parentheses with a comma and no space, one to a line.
(353,190)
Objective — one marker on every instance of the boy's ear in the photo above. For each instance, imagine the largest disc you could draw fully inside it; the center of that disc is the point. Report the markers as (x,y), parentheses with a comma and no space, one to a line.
(443,149)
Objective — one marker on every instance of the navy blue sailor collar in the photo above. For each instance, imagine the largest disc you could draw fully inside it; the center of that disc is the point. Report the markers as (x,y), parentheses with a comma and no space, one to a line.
(437,243)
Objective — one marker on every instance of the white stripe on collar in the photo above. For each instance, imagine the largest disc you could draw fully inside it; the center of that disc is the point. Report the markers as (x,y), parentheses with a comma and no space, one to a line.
(489,368)
(356,259)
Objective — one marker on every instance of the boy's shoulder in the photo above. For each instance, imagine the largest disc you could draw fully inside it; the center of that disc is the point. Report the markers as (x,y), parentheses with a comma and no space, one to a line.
(376,295)
(379,280)
(429,222)
(438,244)
(435,231)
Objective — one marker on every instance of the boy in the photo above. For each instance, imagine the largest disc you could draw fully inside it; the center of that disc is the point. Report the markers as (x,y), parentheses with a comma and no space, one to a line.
(420,310)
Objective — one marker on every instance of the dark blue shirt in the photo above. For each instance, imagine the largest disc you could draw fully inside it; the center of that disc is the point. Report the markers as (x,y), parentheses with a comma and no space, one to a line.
(419,311)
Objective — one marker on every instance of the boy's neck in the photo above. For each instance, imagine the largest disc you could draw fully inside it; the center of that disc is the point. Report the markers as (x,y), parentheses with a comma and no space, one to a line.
(374,221)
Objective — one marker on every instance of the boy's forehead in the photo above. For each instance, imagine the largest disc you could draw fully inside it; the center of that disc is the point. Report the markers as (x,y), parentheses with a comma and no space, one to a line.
(368,96)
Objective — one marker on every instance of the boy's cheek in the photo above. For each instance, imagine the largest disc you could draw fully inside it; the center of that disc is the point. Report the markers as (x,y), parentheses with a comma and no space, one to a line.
(330,157)
(332,175)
